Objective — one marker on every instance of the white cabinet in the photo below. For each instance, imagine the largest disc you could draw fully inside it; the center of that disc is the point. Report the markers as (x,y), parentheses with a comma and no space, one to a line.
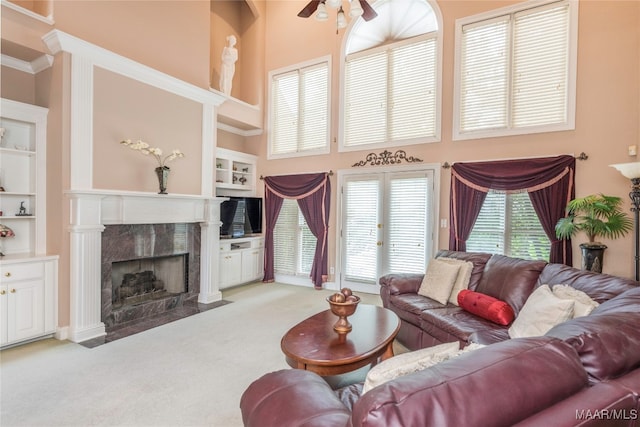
(230,268)
(28,277)
(28,299)
(235,172)
(241,261)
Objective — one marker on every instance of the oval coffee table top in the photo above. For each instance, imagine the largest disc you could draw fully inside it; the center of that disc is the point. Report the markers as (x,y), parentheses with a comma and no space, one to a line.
(313,341)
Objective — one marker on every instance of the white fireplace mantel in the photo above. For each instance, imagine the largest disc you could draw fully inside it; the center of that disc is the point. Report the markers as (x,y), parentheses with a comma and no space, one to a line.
(91,210)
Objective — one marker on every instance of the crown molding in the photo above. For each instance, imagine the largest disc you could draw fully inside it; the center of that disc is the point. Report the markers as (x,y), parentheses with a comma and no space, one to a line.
(58,41)
(34,67)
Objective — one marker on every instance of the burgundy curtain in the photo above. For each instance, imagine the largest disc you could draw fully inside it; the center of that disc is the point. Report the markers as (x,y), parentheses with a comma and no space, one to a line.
(313,194)
(549,182)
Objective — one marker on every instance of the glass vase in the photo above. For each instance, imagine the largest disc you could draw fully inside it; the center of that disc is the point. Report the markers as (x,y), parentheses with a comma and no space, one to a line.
(163,176)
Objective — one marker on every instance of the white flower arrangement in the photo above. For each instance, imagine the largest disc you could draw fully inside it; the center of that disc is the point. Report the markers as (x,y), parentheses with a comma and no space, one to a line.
(144,148)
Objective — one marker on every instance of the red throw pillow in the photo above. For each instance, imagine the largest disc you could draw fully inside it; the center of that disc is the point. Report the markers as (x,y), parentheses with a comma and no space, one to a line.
(486,307)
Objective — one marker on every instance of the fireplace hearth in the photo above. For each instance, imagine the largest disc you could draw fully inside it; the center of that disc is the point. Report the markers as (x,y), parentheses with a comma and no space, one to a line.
(148,269)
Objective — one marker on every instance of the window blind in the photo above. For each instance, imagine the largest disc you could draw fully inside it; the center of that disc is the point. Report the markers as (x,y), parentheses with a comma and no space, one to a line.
(294,244)
(407,224)
(299,110)
(540,66)
(390,94)
(362,198)
(508,225)
(514,70)
(285,239)
(485,75)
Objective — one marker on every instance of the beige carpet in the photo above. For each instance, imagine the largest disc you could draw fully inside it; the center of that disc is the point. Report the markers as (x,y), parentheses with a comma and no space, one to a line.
(191,372)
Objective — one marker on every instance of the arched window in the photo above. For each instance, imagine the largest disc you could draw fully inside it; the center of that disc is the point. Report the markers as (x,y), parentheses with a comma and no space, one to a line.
(391,86)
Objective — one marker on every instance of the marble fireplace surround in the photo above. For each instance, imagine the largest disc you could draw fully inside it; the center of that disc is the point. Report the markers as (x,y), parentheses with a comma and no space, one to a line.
(92,210)
(170,250)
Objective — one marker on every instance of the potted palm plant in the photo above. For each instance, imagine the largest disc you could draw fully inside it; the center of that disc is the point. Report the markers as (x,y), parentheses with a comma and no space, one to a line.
(597,216)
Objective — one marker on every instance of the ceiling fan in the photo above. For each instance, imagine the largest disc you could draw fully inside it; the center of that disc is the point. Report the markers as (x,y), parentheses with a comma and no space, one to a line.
(367,11)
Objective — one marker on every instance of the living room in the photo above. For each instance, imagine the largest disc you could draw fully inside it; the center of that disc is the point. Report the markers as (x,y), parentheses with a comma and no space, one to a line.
(179,45)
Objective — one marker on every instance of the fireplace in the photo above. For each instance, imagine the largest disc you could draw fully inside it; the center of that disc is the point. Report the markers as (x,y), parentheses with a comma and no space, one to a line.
(148,269)
(146,279)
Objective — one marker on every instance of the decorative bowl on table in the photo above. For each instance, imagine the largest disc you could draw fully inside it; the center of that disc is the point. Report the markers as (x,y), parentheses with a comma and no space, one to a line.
(343,306)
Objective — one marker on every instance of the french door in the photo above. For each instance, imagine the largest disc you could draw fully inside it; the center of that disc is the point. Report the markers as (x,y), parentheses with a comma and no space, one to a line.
(386,226)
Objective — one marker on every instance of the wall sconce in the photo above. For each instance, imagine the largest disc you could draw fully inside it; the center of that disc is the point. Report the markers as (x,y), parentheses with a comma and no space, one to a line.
(632,171)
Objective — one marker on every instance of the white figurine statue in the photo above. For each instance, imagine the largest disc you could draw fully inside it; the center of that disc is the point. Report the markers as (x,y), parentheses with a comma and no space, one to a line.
(228,68)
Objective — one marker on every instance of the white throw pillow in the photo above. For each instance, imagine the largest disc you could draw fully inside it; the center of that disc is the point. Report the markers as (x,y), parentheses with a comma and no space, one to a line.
(541,312)
(439,280)
(407,363)
(584,305)
(462,279)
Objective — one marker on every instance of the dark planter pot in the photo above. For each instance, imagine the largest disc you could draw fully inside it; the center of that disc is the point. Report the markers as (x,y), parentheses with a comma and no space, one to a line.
(592,256)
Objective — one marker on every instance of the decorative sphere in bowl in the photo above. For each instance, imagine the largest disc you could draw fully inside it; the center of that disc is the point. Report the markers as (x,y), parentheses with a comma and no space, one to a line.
(343,308)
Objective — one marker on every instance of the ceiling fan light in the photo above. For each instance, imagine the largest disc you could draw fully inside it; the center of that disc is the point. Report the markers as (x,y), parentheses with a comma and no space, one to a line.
(321,13)
(356,9)
(341,20)
(334,3)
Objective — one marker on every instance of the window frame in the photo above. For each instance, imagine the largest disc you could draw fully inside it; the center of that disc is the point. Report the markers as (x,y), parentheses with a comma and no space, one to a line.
(326,59)
(438,85)
(572,61)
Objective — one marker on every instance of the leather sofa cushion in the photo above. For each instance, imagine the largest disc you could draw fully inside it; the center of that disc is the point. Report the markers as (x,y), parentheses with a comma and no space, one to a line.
(292,397)
(489,336)
(479,261)
(588,408)
(401,283)
(608,344)
(409,307)
(600,287)
(455,322)
(455,392)
(510,279)
(625,302)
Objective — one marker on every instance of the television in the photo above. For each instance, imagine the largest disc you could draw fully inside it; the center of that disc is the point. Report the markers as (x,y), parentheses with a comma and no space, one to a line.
(240,216)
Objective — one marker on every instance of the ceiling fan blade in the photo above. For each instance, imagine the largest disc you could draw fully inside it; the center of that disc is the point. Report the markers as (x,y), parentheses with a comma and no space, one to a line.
(309,9)
(367,11)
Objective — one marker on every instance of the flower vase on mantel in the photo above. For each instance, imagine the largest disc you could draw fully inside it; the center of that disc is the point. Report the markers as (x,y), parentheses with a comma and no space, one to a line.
(163,177)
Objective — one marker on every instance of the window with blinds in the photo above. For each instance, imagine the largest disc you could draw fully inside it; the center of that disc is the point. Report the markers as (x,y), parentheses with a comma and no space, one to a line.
(508,225)
(299,113)
(516,71)
(294,244)
(390,94)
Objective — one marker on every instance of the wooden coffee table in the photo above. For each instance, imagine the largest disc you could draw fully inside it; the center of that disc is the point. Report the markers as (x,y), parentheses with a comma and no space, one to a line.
(313,344)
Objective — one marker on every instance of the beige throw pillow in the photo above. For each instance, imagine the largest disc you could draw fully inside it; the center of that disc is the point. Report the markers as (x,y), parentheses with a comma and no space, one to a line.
(407,363)
(439,280)
(462,279)
(541,312)
(584,305)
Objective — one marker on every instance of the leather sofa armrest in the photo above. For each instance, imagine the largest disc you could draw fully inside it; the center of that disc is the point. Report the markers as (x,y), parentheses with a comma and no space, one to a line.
(292,397)
(401,283)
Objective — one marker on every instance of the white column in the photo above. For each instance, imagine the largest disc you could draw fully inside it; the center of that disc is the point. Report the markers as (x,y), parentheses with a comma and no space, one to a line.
(210,254)
(85,269)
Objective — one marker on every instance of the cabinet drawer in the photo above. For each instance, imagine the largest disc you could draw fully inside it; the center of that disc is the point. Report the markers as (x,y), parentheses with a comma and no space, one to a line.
(23,271)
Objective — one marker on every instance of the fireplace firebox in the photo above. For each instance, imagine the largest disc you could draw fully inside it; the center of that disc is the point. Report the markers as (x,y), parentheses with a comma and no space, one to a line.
(148,269)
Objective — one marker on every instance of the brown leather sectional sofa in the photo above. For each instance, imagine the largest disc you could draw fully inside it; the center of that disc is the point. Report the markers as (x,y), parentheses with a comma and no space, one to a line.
(585,371)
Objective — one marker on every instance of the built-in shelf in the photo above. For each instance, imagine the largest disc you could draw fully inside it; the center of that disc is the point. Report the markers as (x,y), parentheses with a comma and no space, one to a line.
(235,172)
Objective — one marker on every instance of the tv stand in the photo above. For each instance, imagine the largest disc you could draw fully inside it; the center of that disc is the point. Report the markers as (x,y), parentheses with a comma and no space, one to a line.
(241,261)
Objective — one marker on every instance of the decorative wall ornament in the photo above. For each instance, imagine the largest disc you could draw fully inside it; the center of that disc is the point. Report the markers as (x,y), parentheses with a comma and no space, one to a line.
(387,158)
